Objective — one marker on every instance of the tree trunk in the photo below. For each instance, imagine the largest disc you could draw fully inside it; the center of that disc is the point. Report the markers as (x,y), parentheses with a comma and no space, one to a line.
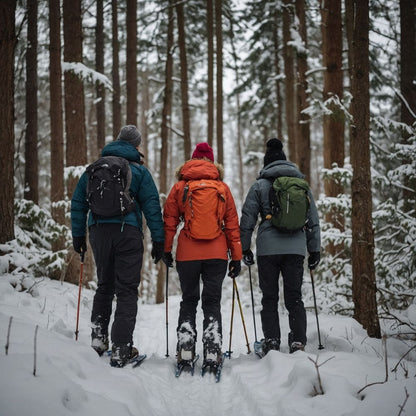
(238,111)
(144,110)
(333,88)
(364,279)
(56,116)
(303,144)
(166,113)
(408,86)
(218,32)
(210,38)
(99,66)
(116,106)
(131,62)
(31,191)
(333,124)
(184,81)
(279,129)
(76,143)
(7,47)
(290,82)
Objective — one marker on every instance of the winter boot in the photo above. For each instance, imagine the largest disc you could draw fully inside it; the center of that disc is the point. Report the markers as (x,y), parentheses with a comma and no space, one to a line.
(294,345)
(212,355)
(269,344)
(100,345)
(122,354)
(212,339)
(99,341)
(185,347)
(185,352)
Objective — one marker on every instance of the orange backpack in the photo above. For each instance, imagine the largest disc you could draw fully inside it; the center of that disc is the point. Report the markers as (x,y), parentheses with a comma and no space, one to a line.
(204,208)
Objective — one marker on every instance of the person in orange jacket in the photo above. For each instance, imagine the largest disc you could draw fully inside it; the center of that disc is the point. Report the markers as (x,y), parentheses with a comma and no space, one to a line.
(203,249)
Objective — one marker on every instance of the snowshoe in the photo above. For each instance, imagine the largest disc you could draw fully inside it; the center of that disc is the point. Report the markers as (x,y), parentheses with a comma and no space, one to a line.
(294,345)
(187,365)
(122,355)
(213,364)
(261,348)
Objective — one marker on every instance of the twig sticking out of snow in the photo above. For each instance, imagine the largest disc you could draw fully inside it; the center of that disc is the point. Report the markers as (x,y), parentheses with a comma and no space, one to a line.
(404,403)
(385,365)
(8,335)
(34,352)
(402,357)
(315,362)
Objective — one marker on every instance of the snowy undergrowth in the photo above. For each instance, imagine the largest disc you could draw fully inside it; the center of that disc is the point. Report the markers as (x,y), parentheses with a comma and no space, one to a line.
(72,380)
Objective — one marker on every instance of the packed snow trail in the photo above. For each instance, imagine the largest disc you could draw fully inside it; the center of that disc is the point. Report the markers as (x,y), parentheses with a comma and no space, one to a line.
(71,379)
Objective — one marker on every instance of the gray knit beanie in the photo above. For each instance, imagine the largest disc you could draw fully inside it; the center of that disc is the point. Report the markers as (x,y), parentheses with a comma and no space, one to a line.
(131,135)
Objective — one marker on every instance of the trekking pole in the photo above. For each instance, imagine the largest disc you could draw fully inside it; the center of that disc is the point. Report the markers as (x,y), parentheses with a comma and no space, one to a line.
(320,347)
(229,352)
(242,317)
(82,254)
(167,320)
(252,305)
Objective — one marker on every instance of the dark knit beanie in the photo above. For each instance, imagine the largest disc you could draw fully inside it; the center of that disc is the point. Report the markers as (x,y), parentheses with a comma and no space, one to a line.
(203,150)
(274,151)
(131,135)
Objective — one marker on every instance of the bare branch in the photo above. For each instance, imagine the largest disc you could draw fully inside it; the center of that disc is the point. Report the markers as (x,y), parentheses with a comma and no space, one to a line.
(8,335)
(404,403)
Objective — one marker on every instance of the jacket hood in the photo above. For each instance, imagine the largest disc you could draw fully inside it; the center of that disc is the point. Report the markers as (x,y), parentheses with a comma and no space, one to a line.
(199,169)
(121,148)
(280,168)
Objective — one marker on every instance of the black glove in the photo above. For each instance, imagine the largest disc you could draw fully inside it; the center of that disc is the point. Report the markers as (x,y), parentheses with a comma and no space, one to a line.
(80,244)
(234,268)
(167,259)
(157,250)
(314,259)
(248,257)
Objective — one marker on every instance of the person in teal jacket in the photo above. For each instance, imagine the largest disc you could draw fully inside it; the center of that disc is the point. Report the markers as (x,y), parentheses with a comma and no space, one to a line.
(117,244)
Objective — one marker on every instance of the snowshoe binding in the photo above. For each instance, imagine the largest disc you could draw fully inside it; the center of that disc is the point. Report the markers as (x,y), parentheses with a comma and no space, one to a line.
(186,362)
(125,354)
(261,348)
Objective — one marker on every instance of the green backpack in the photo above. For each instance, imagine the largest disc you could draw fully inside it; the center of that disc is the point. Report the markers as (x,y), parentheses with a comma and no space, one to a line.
(289,202)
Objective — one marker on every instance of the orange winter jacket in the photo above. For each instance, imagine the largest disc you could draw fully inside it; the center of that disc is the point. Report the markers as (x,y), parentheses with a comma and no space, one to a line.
(187,247)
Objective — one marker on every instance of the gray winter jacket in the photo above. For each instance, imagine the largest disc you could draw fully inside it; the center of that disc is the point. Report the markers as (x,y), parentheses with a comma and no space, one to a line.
(269,240)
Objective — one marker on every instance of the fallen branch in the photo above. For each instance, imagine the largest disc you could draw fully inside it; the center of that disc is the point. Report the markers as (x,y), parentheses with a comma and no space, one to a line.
(34,345)
(8,335)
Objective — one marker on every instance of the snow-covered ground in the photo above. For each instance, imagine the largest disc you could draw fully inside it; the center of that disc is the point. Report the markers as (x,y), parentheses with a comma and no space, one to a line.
(72,380)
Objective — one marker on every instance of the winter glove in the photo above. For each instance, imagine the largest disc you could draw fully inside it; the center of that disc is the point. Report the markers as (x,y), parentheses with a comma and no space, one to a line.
(157,250)
(167,259)
(248,257)
(80,244)
(234,268)
(314,259)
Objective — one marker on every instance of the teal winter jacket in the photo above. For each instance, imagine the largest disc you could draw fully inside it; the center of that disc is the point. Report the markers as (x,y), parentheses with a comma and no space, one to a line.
(142,189)
(269,240)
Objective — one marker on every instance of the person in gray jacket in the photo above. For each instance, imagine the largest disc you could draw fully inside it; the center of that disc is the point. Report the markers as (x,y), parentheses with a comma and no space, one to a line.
(279,252)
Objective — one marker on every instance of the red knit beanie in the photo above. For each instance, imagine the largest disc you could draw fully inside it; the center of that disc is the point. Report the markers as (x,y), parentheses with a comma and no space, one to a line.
(203,150)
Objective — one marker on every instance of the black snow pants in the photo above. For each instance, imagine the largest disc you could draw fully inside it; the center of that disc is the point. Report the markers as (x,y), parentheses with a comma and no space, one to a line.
(118,255)
(291,267)
(212,273)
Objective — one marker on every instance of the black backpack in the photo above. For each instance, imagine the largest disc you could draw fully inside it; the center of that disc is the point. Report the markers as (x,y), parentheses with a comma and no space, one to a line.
(108,187)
